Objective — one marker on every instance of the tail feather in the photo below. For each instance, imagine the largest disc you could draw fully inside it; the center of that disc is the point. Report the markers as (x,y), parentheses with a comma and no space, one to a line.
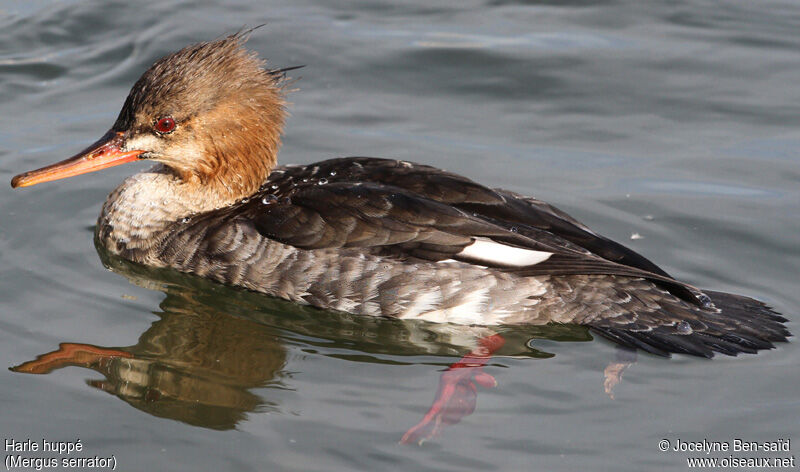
(739,324)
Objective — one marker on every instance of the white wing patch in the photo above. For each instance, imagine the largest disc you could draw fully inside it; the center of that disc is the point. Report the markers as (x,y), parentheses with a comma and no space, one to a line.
(493,253)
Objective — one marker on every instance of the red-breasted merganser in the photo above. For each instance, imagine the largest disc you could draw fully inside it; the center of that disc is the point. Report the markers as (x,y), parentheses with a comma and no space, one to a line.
(370,236)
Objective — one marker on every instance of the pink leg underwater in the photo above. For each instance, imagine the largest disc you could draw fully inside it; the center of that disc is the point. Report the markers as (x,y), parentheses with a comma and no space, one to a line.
(457,392)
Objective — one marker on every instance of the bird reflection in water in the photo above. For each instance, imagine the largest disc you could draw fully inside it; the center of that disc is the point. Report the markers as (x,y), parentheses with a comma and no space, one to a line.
(213,346)
(194,364)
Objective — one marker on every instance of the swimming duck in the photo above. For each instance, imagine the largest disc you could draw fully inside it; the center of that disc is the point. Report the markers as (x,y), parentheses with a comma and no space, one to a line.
(370,236)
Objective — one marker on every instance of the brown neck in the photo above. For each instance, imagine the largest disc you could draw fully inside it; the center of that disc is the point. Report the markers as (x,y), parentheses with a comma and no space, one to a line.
(237,160)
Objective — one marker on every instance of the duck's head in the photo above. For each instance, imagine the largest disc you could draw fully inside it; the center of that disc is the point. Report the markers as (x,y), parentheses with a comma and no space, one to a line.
(211,113)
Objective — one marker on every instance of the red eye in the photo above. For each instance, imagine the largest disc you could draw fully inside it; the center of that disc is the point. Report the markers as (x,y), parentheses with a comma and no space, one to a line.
(165,125)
